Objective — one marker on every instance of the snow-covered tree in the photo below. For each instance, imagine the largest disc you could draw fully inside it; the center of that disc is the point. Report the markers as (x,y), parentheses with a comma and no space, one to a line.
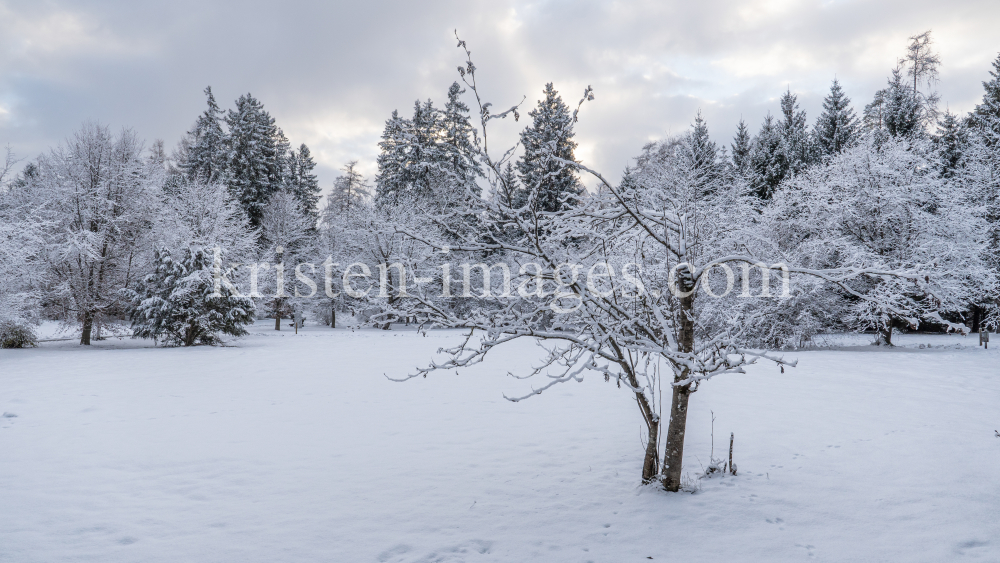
(706,157)
(21,257)
(409,166)
(197,213)
(98,191)
(457,146)
(881,205)
(181,304)
(254,161)
(768,162)
(796,142)
(978,180)
(949,142)
(540,168)
(347,205)
(289,239)
(837,127)
(302,183)
(349,189)
(895,111)
(203,154)
(668,233)
(988,111)
(741,147)
(428,160)
(921,65)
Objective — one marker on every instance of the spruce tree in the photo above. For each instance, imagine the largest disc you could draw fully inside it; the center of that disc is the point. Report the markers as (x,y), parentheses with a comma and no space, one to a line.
(302,183)
(409,164)
(425,154)
(205,150)
(458,151)
(430,158)
(987,113)
(178,302)
(704,151)
(509,187)
(391,180)
(549,135)
(895,111)
(794,134)
(768,162)
(837,126)
(704,154)
(253,159)
(741,147)
(284,162)
(950,141)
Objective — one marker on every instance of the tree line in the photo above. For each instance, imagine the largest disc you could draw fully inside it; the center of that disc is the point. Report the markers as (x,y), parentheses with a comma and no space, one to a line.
(886,221)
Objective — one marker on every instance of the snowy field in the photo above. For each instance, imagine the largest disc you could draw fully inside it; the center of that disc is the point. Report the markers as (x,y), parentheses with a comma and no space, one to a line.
(290,447)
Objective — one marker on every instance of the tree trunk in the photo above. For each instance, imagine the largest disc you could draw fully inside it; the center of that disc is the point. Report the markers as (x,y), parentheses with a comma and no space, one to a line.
(651,462)
(88,327)
(333,317)
(674,454)
(884,336)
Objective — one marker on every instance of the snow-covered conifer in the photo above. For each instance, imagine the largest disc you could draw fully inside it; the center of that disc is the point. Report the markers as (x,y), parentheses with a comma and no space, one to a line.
(895,110)
(181,304)
(457,151)
(393,160)
(253,160)
(302,181)
(986,114)
(796,143)
(768,162)
(949,142)
(837,127)
(204,152)
(741,147)
(548,138)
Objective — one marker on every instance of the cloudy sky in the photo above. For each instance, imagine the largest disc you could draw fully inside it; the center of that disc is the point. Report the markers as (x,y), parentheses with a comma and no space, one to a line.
(331,72)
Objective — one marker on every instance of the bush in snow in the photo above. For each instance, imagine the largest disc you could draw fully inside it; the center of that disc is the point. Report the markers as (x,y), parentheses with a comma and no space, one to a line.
(16,335)
(180,304)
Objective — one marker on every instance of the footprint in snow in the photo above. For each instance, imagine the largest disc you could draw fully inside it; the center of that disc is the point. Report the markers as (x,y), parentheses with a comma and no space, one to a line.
(962,547)
(809,548)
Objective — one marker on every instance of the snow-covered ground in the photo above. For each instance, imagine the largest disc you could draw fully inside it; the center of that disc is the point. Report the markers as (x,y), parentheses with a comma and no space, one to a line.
(292,447)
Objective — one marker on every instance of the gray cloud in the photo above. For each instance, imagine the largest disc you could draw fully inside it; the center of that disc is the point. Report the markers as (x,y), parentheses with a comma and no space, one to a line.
(331,72)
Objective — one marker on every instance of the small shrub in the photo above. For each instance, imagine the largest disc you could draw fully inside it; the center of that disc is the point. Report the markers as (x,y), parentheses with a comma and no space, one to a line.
(15,335)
